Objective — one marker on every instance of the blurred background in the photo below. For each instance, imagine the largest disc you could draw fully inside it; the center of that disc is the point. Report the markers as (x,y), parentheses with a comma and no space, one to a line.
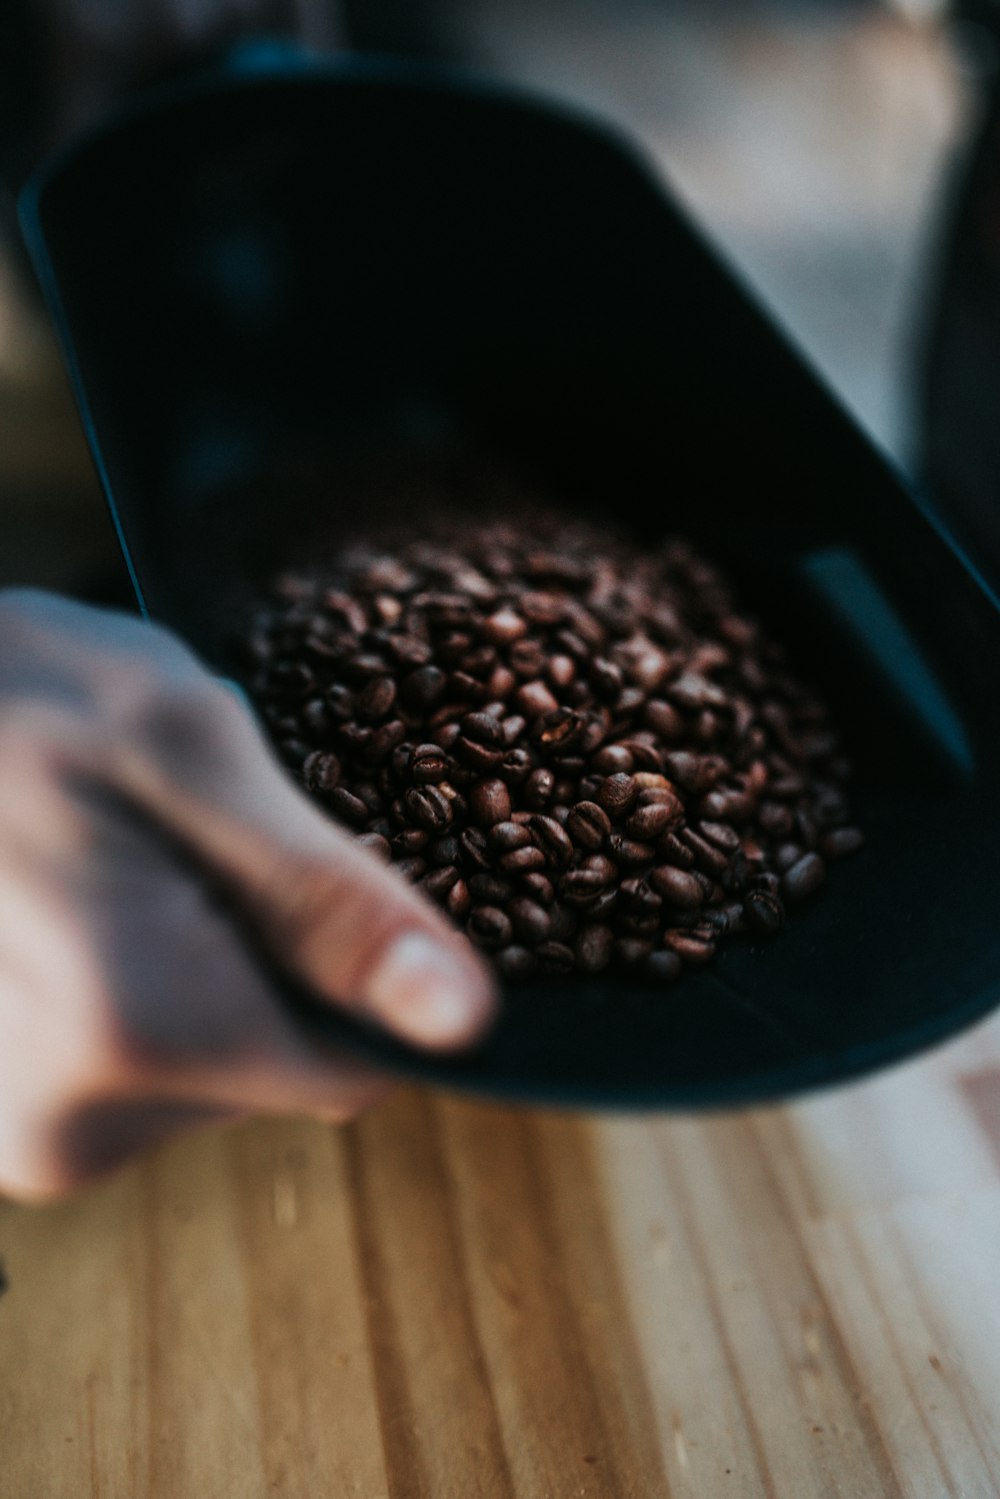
(820,143)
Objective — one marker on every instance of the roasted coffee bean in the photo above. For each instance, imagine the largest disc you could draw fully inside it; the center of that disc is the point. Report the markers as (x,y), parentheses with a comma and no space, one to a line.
(473,845)
(321,771)
(444,851)
(613,759)
(841,842)
(539,887)
(428,807)
(477,757)
(489,926)
(523,860)
(631,951)
(580,886)
(531,922)
(490,889)
(804,878)
(677,886)
(785,855)
(552,839)
(409,841)
(515,962)
(538,789)
(348,807)
(377,699)
(423,688)
(618,794)
(411,868)
(506,836)
(515,766)
(429,763)
(630,853)
(554,957)
(639,896)
(588,825)
(490,801)
(692,945)
(650,821)
(437,882)
(458,901)
(593,947)
(482,729)
(763,913)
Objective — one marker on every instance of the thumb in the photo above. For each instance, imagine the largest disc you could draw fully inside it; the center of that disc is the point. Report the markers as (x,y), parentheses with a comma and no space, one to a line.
(329,910)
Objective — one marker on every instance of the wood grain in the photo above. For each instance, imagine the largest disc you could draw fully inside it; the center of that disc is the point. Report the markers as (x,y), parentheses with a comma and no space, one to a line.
(464,1301)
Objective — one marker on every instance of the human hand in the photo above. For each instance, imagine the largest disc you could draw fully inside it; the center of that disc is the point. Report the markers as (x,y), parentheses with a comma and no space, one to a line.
(144,830)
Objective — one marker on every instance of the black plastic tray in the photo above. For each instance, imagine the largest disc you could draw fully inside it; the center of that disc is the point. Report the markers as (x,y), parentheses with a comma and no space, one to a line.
(277,267)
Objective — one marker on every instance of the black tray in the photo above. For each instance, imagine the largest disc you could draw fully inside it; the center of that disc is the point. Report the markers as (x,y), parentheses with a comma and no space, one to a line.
(263,270)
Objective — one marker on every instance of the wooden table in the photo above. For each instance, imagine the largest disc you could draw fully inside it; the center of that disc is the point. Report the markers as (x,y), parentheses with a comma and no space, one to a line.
(460,1301)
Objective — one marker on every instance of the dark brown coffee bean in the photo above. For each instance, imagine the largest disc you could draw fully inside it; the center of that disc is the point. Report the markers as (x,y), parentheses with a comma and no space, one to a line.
(437,882)
(664,719)
(692,946)
(538,789)
(707,858)
(775,819)
(552,839)
(785,855)
(527,659)
(664,966)
(429,808)
(554,957)
(630,852)
(613,759)
(473,845)
(580,886)
(490,801)
(639,896)
(348,807)
(763,913)
(588,825)
(503,626)
(515,962)
(377,699)
(523,860)
(429,763)
(531,922)
(720,835)
(538,887)
(804,878)
(321,771)
(593,947)
(409,841)
(489,926)
(444,851)
(477,757)
(458,901)
(423,688)
(677,886)
(631,951)
(506,836)
(482,729)
(514,766)
(411,868)
(650,821)
(841,842)
(618,794)
(557,730)
(490,889)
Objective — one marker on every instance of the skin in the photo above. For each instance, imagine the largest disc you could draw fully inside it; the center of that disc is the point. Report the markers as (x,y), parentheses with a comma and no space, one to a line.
(145,830)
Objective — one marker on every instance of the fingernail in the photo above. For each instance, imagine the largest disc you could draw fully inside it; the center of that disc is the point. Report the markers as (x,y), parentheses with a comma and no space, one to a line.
(419,991)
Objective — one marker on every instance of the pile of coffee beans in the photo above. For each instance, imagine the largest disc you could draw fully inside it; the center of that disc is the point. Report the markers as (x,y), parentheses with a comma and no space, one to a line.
(585,753)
